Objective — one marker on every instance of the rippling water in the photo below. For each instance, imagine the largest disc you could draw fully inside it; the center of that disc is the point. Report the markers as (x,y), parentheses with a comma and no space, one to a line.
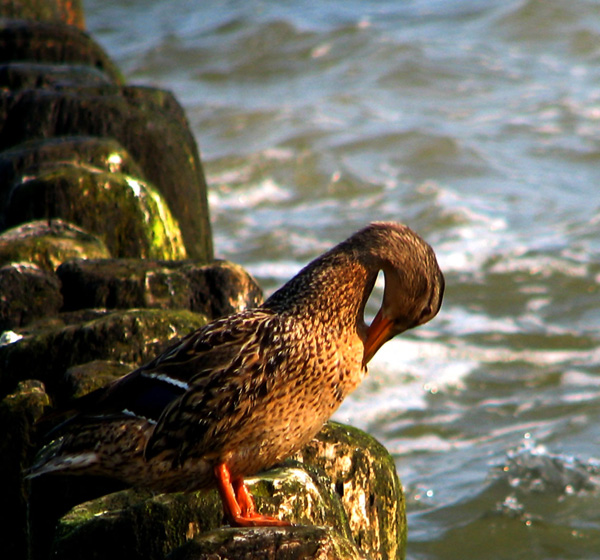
(476,122)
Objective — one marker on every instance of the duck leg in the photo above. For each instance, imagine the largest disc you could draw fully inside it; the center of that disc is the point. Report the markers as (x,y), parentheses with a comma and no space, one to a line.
(238,503)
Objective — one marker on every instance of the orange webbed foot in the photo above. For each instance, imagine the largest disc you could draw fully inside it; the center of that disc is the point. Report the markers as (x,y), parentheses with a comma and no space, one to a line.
(238,503)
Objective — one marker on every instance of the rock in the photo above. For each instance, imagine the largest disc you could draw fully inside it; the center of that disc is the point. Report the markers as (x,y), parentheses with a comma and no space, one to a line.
(27,292)
(82,379)
(328,505)
(147,122)
(364,475)
(222,288)
(215,290)
(27,40)
(276,543)
(124,283)
(132,336)
(65,11)
(49,243)
(30,157)
(130,216)
(135,524)
(301,494)
(18,413)
(30,75)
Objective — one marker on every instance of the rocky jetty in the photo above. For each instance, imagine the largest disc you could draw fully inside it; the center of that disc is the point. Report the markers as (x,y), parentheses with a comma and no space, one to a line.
(106,258)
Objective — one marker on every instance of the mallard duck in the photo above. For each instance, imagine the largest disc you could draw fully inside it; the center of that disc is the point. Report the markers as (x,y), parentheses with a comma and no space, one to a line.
(246,391)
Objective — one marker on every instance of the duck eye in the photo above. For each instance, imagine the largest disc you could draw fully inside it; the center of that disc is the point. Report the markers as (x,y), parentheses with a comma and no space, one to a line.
(426,311)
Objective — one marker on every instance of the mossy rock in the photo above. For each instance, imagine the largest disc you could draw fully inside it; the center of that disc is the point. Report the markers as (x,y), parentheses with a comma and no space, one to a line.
(23,39)
(130,216)
(31,157)
(28,75)
(27,292)
(137,525)
(215,290)
(81,379)
(134,524)
(48,243)
(275,543)
(364,475)
(18,413)
(148,122)
(222,288)
(300,494)
(132,336)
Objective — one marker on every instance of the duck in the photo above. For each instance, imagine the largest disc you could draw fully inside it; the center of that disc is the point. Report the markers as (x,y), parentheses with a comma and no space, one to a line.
(241,394)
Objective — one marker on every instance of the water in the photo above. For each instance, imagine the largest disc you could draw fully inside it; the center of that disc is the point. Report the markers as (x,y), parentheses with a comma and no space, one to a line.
(476,122)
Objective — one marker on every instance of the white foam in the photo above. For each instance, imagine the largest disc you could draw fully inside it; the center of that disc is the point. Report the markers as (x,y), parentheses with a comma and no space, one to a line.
(243,198)
(402,375)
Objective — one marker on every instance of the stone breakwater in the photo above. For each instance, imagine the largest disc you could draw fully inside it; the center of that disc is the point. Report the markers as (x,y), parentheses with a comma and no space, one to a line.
(106,258)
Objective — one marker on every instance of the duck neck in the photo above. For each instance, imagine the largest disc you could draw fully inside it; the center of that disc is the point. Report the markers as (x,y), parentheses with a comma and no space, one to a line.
(333,288)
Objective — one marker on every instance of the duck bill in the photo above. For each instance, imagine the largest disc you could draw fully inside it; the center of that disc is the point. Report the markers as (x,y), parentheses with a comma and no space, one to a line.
(378,333)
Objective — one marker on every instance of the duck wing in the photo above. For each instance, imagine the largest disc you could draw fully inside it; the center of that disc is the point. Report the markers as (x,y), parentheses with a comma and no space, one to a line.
(230,367)
(148,390)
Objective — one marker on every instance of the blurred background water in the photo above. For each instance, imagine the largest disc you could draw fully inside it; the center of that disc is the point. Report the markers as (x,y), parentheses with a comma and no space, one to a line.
(477,123)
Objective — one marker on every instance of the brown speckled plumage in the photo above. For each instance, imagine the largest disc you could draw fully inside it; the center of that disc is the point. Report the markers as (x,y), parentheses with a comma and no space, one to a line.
(248,390)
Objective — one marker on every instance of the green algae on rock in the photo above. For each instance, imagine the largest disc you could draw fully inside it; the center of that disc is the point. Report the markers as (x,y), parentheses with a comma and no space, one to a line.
(48,243)
(149,123)
(274,543)
(300,494)
(364,475)
(135,524)
(81,379)
(31,156)
(129,215)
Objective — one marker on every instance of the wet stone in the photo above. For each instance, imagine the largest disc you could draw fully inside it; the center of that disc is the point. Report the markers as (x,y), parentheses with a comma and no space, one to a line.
(33,156)
(149,123)
(276,543)
(27,292)
(18,414)
(215,290)
(22,39)
(30,75)
(48,243)
(129,215)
